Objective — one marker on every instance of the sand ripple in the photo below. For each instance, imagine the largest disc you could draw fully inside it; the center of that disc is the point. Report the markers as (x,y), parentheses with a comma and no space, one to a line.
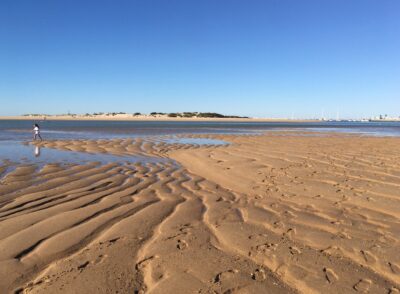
(273,213)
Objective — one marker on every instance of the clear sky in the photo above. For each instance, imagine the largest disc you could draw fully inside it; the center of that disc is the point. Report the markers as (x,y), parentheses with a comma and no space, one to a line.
(258,58)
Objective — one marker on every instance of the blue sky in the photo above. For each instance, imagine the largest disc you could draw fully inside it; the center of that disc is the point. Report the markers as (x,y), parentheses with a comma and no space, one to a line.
(258,58)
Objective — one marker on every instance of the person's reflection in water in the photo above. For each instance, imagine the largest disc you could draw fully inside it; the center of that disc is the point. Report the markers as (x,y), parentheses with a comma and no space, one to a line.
(37,151)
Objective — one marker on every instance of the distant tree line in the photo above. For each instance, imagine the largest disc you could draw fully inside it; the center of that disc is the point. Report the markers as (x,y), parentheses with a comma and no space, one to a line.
(172,114)
(34,114)
(103,113)
(202,115)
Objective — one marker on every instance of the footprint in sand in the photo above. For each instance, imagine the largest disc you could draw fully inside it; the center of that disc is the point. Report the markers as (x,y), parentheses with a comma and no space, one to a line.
(368,256)
(109,242)
(290,233)
(338,222)
(289,214)
(330,275)
(344,235)
(144,262)
(82,266)
(182,244)
(294,250)
(278,224)
(185,228)
(225,275)
(332,250)
(259,275)
(100,258)
(363,286)
(267,247)
(258,237)
(274,205)
(394,268)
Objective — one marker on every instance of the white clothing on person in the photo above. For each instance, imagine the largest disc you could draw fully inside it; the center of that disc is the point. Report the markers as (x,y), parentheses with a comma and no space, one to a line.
(36,129)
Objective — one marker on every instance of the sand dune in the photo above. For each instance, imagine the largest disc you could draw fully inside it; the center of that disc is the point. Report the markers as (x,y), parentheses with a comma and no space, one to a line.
(275,213)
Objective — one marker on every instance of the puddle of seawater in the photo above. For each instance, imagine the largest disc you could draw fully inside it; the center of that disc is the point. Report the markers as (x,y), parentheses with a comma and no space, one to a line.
(194,141)
(19,153)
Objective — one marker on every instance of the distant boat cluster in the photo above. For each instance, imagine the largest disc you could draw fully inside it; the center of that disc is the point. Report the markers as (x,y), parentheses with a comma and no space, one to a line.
(380,118)
(385,118)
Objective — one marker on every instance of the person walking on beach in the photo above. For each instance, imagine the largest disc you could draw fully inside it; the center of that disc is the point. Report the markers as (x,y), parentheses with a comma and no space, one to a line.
(36,132)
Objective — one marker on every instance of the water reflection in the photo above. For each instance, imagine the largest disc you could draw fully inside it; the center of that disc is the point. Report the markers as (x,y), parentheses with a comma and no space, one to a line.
(37,151)
(14,151)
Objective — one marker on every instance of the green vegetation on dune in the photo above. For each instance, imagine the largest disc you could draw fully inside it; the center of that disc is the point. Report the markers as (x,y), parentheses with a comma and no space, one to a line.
(153,114)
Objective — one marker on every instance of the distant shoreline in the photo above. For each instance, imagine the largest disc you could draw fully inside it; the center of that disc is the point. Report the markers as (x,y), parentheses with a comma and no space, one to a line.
(151,118)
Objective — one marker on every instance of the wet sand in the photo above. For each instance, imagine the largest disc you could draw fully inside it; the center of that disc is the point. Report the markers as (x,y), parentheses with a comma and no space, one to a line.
(281,212)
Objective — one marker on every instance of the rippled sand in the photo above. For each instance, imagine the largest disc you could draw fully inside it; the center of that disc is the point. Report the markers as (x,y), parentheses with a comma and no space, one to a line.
(276,213)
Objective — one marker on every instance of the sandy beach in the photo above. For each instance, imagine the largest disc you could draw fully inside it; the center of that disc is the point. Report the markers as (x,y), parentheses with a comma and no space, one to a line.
(281,212)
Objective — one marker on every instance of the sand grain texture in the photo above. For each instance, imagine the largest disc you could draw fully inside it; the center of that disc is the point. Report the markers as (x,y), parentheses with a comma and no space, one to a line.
(276,213)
